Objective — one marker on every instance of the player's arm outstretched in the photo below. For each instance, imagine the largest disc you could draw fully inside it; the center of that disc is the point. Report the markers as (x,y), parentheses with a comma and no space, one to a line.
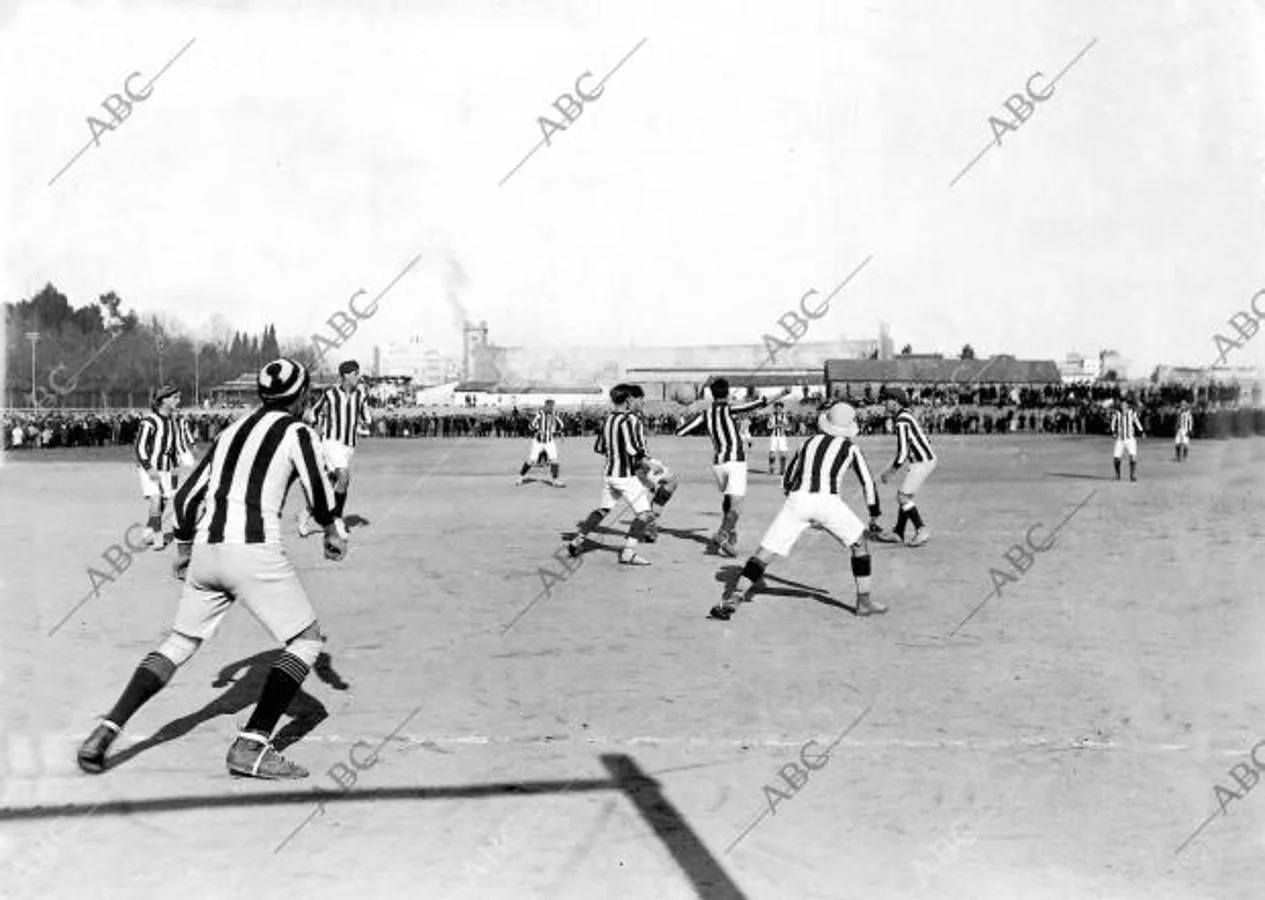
(692,423)
(738,409)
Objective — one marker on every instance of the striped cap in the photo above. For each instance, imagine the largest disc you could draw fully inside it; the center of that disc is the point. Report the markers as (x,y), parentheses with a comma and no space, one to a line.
(282,381)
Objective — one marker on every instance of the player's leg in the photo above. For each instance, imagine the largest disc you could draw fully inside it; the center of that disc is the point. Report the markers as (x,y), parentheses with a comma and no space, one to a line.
(203,603)
(268,585)
(1116,453)
(606,503)
(778,540)
(555,468)
(836,519)
(151,492)
(914,480)
(1133,459)
(533,454)
(1177,447)
(635,493)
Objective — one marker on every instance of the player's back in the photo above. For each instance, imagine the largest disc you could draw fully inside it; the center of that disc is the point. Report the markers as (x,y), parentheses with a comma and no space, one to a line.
(242,481)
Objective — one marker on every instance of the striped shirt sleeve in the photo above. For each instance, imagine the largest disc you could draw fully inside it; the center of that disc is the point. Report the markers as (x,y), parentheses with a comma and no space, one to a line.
(191,497)
(747,407)
(902,443)
(636,441)
(691,424)
(321,409)
(144,445)
(320,494)
(862,470)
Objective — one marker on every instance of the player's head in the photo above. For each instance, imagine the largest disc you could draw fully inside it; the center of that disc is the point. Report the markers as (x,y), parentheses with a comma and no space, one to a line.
(166,399)
(627,396)
(349,373)
(549,405)
(838,420)
(720,388)
(283,384)
(896,398)
(1185,405)
(778,405)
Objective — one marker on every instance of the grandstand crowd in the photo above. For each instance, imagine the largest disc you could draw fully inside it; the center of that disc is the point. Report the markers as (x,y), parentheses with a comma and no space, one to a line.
(944,409)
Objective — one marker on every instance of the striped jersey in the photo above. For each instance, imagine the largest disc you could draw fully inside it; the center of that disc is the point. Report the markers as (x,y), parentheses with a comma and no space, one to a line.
(235,494)
(546,426)
(779,423)
(339,414)
(156,442)
(184,436)
(727,441)
(911,444)
(623,441)
(818,467)
(1125,425)
(1185,422)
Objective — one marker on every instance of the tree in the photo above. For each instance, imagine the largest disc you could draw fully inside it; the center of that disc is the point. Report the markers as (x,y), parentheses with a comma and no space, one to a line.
(968,352)
(906,350)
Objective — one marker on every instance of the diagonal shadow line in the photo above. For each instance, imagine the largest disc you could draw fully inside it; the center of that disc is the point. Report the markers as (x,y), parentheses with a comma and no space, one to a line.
(709,878)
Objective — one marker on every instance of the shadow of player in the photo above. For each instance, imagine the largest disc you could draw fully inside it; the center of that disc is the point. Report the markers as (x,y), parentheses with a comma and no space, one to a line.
(1080,475)
(305,712)
(697,535)
(354,521)
(728,576)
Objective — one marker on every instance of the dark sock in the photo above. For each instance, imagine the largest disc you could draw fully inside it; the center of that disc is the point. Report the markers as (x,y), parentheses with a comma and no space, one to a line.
(1133,468)
(915,517)
(770,462)
(730,522)
(725,503)
(524,470)
(1116,462)
(284,680)
(339,500)
(555,468)
(156,523)
(149,678)
(591,521)
(902,516)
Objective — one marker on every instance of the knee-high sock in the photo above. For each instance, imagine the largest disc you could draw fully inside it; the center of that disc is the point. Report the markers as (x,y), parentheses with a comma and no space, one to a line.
(1116,463)
(902,516)
(591,521)
(149,678)
(554,468)
(914,516)
(725,504)
(284,681)
(340,500)
(861,574)
(1133,467)
(524,470)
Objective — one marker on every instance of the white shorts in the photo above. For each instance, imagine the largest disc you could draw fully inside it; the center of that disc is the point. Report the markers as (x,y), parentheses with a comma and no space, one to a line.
(916,476)
(803,509)
(1130,444)
(164,487)
(1182,438)
(731,478)
(261,576)
(630,489)
(337,454)
(777,444)
(549,448)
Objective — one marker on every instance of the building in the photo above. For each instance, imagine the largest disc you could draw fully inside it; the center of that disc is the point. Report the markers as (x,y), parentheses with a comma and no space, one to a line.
(1075,369)
(414,359)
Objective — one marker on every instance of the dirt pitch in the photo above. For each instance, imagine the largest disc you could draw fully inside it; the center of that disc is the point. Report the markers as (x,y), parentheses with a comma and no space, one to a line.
(613,742)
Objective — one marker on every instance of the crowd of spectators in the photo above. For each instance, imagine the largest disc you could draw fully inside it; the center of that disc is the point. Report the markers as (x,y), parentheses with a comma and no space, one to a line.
(943,409)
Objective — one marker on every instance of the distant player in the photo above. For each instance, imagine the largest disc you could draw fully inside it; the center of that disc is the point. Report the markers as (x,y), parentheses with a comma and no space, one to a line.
(1126,427)
(228,525)
(1185,427)
(813,499)
(779,426)
(912,448)
(545,428)
(622,441)
(340,414)
(156,457)
(729,458)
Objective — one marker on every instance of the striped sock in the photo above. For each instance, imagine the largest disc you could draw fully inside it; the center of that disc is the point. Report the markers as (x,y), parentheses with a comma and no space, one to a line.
(284,681)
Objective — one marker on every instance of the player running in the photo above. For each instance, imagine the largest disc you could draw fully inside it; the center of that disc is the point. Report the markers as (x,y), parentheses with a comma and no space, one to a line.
(340,413)
(1126,428)
(545,428)
(156,458)
(228,525)
(622,441)
(779,426)
(1185,427)
(812,487)
(729,459)
(912,447)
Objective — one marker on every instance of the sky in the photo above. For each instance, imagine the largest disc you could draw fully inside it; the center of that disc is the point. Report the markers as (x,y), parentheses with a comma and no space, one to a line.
(745,153)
